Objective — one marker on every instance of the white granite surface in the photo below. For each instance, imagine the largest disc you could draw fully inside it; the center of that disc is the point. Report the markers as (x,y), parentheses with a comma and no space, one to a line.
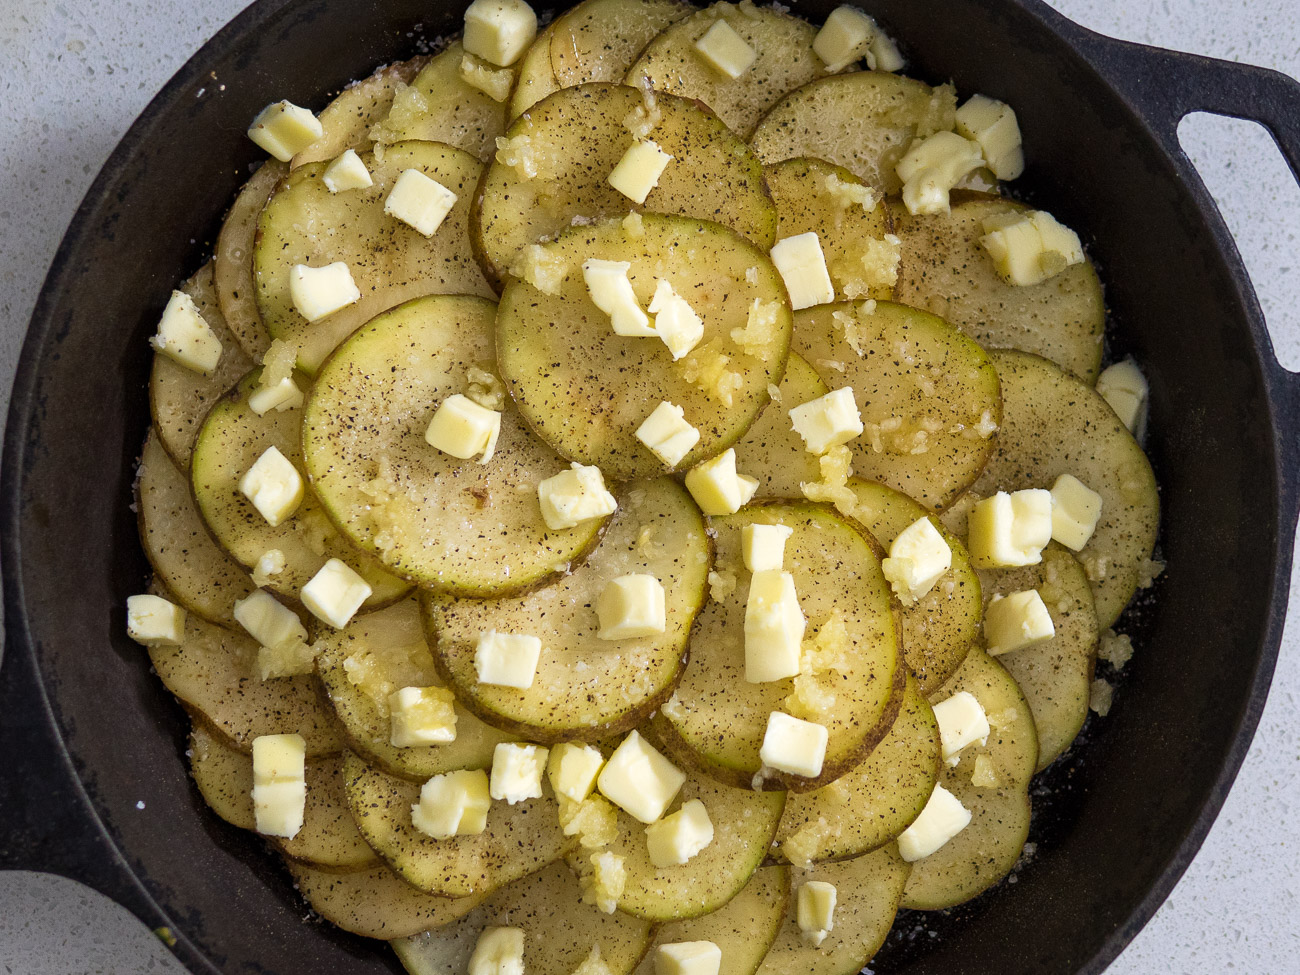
(71,82)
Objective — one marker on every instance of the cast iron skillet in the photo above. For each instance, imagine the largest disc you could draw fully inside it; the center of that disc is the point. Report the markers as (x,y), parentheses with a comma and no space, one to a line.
(89,734)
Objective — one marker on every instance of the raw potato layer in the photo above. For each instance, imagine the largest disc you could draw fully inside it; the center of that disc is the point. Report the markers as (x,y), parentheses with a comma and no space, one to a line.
(534,81)
(232,265)
(599,39)
(347,119)
(770,451)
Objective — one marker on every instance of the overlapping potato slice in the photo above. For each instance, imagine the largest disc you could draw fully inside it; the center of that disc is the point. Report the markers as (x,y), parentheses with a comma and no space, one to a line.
(598,40)
(864,121)
(585,390)
(716,719)
(770,451)
(517,840)
(232,263)
(587,688)
(928,395)
(374,656)
(455,525)
(784,60)
(945,271)
(347,119)
(875,800)
(555,170)
(390,262)
(560,932)
(231,440)
(534,80)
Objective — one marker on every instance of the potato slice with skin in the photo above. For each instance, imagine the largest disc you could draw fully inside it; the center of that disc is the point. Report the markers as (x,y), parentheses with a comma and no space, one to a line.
(1056,676)
(770,450)
(585,390)
(1055,424)
(179,398)
(785,60)
(867,891)
(203,578)
(743,928)
(928,395)
(599,39)
(231,440)
(375,902)
(347,119)
(864,121)
(232,263)
(517,840)
(587,688)
(375,655)
(328,839)
(875,800)
(456,525)
(801,189)
(716,719)
(577,136)
(946,271)
(560,932)
(535,79)
(304,223)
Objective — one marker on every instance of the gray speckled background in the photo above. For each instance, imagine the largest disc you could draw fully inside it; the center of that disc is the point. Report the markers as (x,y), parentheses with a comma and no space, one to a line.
(70,85)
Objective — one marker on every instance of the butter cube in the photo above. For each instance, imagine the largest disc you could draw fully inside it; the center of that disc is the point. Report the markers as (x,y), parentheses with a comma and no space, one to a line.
(499,951)
(284,395)
(517,772)
(774,627)
(802,265)
(918,558)
(1009,530)
(279,784)
(335,593)
(639,780)
(992,124)
(421,716)
(462,428)
(574,496)
(612,293)
(667,434)
(688,958)
(827,421)
(185,337)
(724,49)
(419,202)
(346,172)
(717,488)
(284,130)
(1076,509)
(507,659)
(499,30)
(631,606)
(815,911)
(942,818)
(793,745)
(962,722)
(1123,386)
(320,291)
(154,621)
(453,804)
(844,38)
(932,167)
(675,320)
(1061,245)
(884,53)
(675,839)
(1029,248)
(763,546)
(274,486)
(268,621)
(572,769)
(1017,621)
(639,169)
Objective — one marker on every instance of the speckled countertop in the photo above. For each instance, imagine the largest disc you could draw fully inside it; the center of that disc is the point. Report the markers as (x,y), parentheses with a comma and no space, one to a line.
(71,84)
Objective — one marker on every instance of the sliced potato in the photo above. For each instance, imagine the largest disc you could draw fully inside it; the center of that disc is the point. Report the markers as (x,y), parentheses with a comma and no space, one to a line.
(534,81)
(875,800)
(587,688)
(928,395)
(390,262)
(716,719)
(784,60)
(518,839)
(347,119)
(560,932)
(599,39)
(867,892)
(945,271)
(863,121)
(1056,676)
(585,390)
(770,450)
(202,577)
(375,655)
(574,138)
(456,525)
(1056,424)
(232,264)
